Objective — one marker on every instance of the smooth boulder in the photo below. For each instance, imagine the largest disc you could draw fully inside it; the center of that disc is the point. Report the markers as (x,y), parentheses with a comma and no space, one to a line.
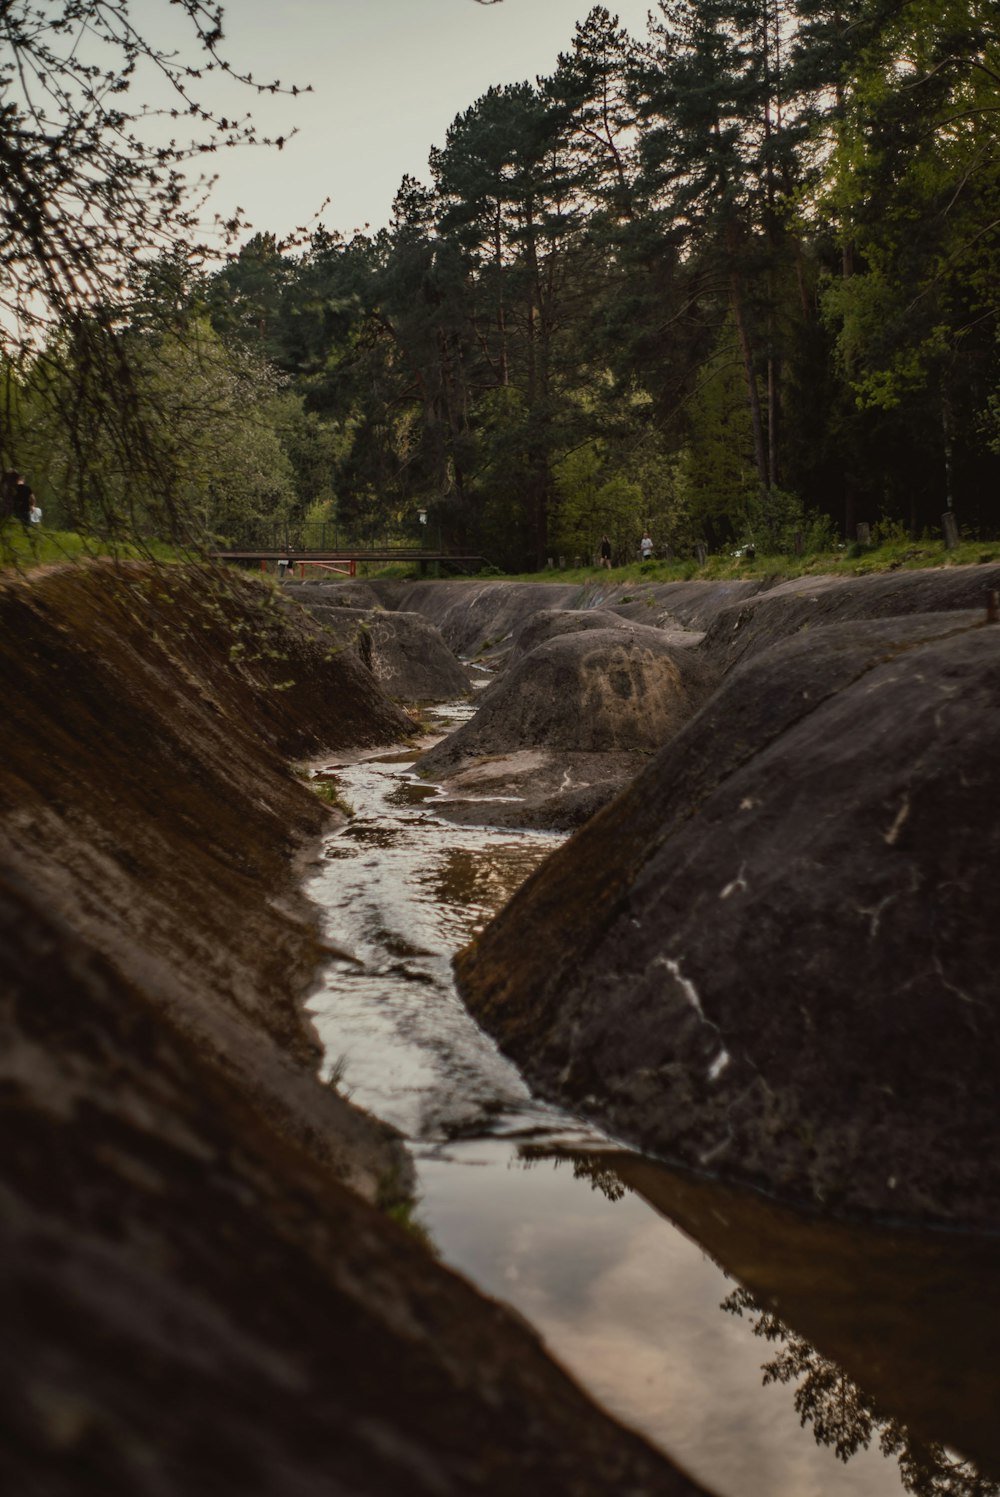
(598,691)
(405,654)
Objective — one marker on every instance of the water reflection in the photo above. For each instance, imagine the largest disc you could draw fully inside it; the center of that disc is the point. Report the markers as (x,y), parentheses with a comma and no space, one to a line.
(410,793)
(907,1323)
(847,1418)
(466,879)
(619,1264)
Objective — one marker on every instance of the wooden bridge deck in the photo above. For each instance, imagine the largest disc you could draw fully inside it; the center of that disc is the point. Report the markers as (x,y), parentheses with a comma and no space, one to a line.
(345,559)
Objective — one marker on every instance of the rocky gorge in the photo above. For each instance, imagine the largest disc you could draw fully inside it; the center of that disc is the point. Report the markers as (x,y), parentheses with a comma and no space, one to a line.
(771,955)
(204,1288)
(765,955)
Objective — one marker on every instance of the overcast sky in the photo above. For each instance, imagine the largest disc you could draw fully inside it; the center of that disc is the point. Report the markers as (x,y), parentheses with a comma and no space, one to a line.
(389,76)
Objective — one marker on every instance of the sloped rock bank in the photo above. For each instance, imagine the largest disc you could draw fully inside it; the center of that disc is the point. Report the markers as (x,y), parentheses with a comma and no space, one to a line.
(757,622)
(405,654)
(475,618)
(773,956)
(196,1295)
(549,623)
(571,719)
(484,617)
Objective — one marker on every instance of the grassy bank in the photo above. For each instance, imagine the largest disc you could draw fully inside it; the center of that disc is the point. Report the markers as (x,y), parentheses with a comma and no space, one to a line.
(855,560)
(23,549)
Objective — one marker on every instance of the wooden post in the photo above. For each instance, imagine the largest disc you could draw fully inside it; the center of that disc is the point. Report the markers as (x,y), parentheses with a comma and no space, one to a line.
(701,552)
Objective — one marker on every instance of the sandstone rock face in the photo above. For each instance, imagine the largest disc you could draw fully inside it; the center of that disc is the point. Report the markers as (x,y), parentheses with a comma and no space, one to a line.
(567,723)
(593,691)
(198,1290)
(773,956)
(405,654)
(349,593)
(689,606)
(484,617)
(549,623)
(805,603)
(474,617)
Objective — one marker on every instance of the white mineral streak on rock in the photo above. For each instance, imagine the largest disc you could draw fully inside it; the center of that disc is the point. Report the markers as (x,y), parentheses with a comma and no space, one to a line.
(690,992)
(875,915)
(738,886)
(686,986)
(718,1065)
(902,814)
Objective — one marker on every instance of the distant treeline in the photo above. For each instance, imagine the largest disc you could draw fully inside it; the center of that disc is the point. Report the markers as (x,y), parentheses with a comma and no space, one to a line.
(735,281)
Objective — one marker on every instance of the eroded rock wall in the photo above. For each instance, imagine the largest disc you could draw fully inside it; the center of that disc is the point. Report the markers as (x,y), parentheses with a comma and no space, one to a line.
(773,956)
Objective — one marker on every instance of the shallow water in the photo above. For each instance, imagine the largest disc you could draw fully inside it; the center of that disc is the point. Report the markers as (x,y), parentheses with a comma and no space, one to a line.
(614,1259)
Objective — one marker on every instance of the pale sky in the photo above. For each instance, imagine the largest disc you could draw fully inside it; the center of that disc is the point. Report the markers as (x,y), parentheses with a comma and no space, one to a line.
(389,76)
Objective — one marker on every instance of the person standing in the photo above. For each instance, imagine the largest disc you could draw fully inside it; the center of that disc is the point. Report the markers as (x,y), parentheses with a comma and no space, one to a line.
(646,546)
(18,497)
(606,552)
(34,513)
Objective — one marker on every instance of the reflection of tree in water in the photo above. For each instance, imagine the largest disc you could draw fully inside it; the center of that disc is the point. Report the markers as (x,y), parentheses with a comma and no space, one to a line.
(844,1416)
(601,1176)
(592,1167)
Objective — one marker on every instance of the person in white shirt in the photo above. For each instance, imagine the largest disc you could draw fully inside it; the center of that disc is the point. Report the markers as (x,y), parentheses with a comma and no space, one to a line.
(646,546)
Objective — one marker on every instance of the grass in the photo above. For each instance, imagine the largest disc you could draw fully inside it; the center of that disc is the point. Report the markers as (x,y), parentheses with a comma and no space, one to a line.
(405,1216)
(328,791)
(22,549)
(847,561)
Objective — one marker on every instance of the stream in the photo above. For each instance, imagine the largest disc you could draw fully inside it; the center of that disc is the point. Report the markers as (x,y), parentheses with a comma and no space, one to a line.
(771,1355)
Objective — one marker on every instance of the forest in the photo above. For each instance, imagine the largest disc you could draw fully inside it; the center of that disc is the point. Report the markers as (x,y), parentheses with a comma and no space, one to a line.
(734,281)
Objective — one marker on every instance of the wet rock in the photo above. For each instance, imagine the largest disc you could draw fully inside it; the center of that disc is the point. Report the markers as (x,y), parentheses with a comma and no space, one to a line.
(405,654)
(773,955)
(533,788)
